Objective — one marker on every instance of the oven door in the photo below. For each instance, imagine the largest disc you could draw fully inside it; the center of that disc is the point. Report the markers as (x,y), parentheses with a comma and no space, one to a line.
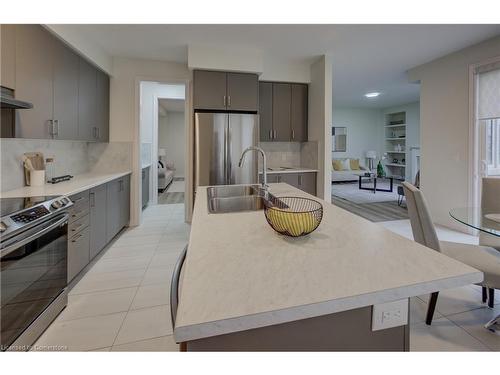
(33,274)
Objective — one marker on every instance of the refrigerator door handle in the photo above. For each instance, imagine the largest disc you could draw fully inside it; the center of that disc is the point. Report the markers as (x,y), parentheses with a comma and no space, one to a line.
(228,159)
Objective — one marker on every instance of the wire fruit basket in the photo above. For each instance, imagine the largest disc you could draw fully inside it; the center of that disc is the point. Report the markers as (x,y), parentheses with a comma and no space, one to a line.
(293,216)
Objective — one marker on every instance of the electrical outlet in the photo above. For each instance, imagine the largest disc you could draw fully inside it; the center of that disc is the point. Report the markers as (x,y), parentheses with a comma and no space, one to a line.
(390,314)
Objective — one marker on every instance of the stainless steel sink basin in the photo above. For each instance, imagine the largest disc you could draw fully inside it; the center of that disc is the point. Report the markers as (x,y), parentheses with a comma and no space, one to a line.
(235,198)
(228,191)
(235,204)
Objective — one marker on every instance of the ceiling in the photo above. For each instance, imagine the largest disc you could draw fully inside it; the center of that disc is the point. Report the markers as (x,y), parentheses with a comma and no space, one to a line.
(365,57)
(172,105)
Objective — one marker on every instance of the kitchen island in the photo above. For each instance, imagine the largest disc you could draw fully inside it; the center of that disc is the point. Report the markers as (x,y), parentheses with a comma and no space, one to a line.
(245,287)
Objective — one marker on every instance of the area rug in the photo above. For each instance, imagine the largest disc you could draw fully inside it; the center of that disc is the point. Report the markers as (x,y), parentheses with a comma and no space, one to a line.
(351,192)
(171,198)
(376,212)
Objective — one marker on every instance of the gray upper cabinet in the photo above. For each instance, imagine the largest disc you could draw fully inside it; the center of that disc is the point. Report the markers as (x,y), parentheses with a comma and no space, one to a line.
(209,90)
(8,56)
(87,108)
(65,92)
(282,101)
(70,96)
(299,112)
(98,222)
(34,81)
(242,92)
(266,111)
(225,91)
(102,102)
(283,111)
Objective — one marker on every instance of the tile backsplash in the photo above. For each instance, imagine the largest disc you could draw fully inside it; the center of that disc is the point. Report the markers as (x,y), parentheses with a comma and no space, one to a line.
(291,154)
(70,157)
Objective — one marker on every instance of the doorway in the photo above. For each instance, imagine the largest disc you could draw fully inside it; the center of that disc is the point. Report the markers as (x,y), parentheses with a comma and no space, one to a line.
(171,151)
(163,132)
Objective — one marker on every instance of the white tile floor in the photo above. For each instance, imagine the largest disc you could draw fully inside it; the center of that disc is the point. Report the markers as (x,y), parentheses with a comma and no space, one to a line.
(122,303)
(460,315)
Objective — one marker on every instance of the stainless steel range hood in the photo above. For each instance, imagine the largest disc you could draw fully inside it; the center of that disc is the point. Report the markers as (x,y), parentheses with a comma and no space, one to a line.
(7,100)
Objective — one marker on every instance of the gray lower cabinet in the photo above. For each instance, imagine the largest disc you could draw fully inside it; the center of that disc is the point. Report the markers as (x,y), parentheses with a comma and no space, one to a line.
(305,181)
(78,234)
(118,206)
(98,219)
(96,216)
(145,186)
(78,253)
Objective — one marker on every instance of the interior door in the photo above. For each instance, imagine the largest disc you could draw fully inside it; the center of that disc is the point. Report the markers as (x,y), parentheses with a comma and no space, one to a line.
(210,150)
(242,133)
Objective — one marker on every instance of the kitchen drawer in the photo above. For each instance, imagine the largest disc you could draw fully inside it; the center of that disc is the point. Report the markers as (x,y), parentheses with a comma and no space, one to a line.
(80,197)
(78,253)
(78,225)
(78,211)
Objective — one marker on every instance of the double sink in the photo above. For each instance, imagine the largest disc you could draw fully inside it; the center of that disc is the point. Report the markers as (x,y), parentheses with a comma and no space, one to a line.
(236,198)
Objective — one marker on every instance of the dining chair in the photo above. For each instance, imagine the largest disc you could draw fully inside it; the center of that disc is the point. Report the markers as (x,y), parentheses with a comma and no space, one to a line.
(174,289)
(483,258)
(490,203)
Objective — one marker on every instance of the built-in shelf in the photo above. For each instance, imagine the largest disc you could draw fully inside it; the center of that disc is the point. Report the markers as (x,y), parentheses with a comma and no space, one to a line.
(396,152)
(395,126)
(395,165)
(395,134)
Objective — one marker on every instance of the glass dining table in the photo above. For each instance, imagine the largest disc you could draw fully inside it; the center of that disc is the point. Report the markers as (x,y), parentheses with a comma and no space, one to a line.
(487,222)
(475,217)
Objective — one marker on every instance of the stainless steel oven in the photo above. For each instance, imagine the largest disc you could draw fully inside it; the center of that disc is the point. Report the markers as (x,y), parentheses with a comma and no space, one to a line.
(33,274)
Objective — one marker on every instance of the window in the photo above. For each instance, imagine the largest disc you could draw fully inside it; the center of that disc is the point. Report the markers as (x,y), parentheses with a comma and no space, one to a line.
(492,143)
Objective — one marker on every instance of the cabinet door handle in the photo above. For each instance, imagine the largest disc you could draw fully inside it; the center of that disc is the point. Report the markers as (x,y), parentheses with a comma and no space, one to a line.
(98,133)
(275,134)
(56,123)
(229,101)
(78,200)
(52,128)
(92,199)
(77,227)
(300,179)
(224,100)
(75,239)
(293,134)
(270,134)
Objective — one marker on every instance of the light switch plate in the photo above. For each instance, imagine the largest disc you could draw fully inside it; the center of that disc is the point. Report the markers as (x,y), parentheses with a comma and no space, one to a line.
(390,314)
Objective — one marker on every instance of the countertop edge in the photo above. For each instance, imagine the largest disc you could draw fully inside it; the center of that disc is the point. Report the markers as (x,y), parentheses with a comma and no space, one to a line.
(294,170)
(101,178)
(269,318)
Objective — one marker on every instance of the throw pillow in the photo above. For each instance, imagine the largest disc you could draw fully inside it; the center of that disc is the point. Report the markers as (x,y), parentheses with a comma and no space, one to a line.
(354,163)
(346,165)
(337,164)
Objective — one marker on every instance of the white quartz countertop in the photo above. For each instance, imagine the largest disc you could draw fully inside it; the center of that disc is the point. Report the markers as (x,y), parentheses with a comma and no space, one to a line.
(77,184)
(275,170)
(240,274)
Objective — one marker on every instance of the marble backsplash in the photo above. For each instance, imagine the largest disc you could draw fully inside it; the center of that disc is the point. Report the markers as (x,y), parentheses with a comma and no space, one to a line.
(70,157)
(291,154)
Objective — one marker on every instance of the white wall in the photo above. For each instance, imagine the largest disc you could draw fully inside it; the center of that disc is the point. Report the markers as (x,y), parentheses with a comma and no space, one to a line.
(124,110)
(320,122)
(363,131)
(171,136)
(227,58)
(444,122)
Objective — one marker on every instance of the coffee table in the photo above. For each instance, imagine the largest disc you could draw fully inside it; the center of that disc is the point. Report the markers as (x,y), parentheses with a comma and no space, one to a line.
(373,178)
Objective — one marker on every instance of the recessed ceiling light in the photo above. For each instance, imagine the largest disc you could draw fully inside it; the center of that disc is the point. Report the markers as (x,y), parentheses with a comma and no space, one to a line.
(372,94)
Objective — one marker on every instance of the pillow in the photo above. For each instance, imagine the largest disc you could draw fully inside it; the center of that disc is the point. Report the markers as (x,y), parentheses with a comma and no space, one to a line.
(346,165)
(337,164)
(354,164)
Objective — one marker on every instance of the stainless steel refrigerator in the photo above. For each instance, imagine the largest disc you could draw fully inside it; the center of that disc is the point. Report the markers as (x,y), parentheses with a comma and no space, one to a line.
(220,138)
